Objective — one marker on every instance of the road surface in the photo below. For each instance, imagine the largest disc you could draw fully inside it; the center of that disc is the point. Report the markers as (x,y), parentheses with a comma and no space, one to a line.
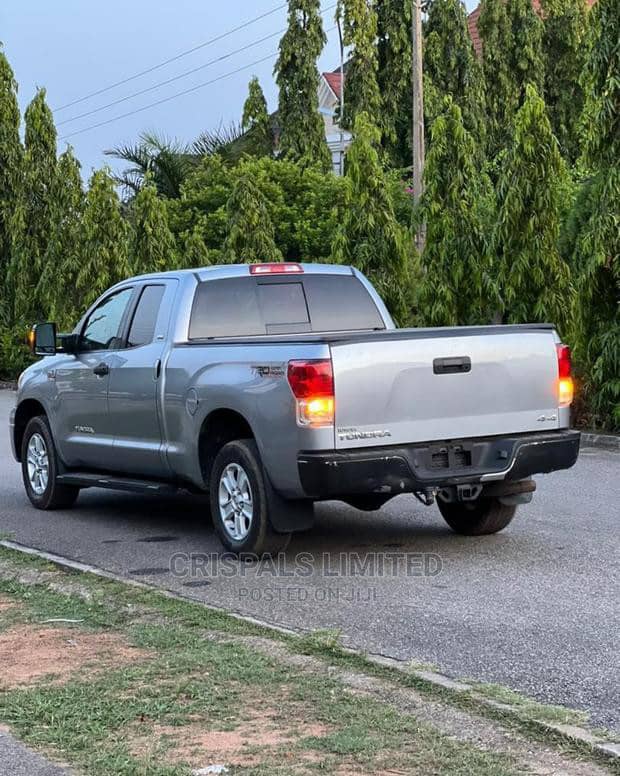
(534,608)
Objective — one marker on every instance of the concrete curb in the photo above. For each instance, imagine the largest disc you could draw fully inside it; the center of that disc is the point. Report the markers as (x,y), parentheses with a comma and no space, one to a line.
(605,441)
(573,734)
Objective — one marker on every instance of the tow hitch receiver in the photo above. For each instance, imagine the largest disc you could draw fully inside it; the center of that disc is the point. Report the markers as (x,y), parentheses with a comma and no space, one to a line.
(468,492)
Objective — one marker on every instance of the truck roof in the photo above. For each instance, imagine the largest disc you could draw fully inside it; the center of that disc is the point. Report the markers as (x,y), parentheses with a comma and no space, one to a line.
(218,271)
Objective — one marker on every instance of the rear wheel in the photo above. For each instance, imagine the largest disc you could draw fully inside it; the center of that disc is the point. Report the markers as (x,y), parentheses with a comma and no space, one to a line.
(477,518)
(40,467)
(239,494)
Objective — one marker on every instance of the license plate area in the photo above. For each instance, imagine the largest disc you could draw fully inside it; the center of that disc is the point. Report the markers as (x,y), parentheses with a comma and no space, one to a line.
(449,456)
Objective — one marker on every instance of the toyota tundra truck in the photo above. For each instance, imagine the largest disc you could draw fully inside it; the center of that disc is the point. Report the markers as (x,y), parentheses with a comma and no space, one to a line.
(272,386)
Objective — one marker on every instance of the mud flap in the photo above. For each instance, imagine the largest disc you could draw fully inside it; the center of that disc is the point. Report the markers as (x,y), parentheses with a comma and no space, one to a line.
(288,515)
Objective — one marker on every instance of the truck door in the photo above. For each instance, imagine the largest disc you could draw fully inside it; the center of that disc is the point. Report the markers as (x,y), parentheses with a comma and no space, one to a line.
(84,436)
(134,383)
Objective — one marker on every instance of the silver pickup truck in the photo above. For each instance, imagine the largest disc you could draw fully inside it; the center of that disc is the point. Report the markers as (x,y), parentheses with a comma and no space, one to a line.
(273,386)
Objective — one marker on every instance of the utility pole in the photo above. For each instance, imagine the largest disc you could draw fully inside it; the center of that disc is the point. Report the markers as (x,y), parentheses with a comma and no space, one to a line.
(341,165)
(418,115)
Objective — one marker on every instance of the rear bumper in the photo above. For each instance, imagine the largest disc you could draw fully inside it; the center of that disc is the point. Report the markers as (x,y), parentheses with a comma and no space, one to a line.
(407,468)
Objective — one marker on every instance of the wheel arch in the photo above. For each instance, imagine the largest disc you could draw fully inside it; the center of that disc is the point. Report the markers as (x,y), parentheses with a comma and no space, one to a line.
(26,410)
(219,427)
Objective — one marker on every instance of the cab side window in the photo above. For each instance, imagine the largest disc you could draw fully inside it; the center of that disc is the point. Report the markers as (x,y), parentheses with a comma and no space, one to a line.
(142,329)
(103,326)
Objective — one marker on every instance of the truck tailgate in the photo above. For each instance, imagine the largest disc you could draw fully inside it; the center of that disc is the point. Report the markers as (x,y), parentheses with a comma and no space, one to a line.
(435,386)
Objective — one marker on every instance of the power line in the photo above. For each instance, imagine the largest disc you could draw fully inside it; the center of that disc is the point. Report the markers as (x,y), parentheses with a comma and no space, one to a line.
(180,75)
(173,59)
(170,80)
(172,97)
(177,94)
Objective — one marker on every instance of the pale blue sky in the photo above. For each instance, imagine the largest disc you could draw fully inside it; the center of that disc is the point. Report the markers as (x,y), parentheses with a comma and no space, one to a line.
(74,48)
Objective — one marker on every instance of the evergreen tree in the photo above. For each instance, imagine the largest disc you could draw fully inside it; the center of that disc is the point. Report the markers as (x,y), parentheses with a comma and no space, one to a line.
(152,244)
(394,78)
(451,65)
(456,287)
(564,45)
(526,52)
(57,283)
(195,251)
(598,245)
(369,237)
(34,212)
(302,129)
(534,280)
(104,244)
(250,232)
(255,120)
(11,171)
(501,95)
(361,88)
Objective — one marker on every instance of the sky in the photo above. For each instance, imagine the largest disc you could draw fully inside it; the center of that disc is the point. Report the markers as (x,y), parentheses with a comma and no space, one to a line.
(75,47)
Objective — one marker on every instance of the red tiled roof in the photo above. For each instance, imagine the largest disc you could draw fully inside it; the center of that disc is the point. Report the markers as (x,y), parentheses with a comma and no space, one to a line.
(334,82)
(472,23)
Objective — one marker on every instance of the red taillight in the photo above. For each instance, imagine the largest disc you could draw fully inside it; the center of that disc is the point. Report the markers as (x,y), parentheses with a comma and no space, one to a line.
(566,388)
(564,362)
(275,269)
(312,383)
(311,378)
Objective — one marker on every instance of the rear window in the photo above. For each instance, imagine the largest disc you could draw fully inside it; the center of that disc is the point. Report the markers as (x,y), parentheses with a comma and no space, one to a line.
(248,306)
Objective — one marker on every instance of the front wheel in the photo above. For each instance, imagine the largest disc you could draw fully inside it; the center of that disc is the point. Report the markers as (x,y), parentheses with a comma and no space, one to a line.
(477,518)
(40,467)
(239,501)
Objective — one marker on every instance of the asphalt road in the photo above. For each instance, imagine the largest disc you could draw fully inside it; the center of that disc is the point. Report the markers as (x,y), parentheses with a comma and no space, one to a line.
(534,608)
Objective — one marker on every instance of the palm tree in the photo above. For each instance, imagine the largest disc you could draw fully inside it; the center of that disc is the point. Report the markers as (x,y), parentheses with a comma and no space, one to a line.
(168,162)
(165,161)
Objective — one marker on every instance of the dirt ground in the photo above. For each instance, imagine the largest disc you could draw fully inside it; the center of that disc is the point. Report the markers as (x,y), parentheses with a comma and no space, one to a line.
(262,731)
(30,652)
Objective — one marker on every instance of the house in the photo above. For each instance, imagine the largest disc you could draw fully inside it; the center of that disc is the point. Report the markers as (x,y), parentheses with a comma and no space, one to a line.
(338,141)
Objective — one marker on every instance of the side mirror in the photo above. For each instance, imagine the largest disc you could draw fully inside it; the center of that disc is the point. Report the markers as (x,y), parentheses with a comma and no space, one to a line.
(42,339)
(70,343)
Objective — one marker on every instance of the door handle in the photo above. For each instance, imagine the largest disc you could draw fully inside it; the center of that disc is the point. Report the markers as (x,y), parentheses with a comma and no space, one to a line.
(450,366)
(101,369)
(157,369)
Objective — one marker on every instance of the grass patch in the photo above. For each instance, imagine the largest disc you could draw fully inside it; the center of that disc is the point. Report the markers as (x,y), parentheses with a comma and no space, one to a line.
(530,708)
(198,695)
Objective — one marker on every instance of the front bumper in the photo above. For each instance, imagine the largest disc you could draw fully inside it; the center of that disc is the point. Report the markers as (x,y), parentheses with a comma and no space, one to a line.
(407,468)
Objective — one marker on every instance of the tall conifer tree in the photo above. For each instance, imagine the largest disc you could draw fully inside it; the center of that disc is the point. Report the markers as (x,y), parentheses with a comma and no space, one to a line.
(451,65)
(35,209)
(104,246)
(57,282)
(152,247)
(255,120)
(564,46)
(361,88)
(534,280)
(456,287)
(11,171)
(250,232)
(302,129)
(370,238)
(526,53)
(501,95)
(598,246)
(394,78)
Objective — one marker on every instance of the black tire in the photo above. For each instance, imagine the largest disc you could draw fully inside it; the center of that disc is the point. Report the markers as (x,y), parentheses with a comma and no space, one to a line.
(261,538)
(53,495)
(477,518)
